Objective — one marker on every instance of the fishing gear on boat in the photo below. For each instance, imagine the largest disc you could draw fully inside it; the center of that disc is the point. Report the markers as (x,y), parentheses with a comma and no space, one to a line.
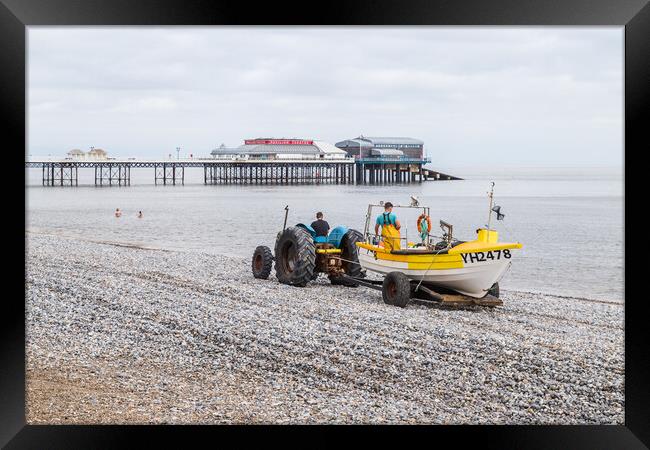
(424,226)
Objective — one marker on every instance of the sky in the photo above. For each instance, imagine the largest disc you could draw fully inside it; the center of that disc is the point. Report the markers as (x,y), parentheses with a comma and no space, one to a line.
(529,96)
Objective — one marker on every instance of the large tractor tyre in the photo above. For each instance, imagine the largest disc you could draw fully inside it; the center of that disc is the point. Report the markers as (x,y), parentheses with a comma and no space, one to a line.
(494,290)
(349,259)
(262,262)
(396,289)
(295,257)
(350,252)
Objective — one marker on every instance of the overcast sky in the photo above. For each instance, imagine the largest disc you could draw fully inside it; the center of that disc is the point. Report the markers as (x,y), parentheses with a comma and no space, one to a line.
(529,96)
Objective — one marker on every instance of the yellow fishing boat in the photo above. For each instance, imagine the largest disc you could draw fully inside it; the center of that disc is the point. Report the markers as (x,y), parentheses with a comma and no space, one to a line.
(472,268)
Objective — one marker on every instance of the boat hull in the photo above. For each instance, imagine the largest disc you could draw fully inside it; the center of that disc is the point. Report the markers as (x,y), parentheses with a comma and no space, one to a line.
(471,274)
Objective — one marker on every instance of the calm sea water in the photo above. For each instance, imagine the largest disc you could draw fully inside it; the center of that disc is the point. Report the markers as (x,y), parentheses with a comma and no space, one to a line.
(571,223)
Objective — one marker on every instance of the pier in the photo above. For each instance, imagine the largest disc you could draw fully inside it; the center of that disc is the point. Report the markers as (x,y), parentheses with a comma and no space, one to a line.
(278,172)
(391,170)
(115,172)
(430,174)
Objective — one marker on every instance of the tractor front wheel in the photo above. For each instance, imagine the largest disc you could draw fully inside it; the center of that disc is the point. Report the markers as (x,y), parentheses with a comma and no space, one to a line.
(262,262)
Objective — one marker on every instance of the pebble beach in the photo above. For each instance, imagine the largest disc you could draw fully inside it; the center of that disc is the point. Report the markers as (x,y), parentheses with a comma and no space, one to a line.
(119,333)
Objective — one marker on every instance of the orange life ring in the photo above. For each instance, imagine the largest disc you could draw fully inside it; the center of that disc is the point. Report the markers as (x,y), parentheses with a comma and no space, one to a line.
(428,219)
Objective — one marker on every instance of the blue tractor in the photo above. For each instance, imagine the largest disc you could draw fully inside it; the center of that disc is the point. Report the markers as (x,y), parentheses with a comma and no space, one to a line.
(300,256)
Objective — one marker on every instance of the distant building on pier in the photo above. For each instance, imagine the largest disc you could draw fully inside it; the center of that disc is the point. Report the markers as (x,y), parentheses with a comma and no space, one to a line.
(387,159)
(371,147)
(272,148)
(95,154)
(76,154)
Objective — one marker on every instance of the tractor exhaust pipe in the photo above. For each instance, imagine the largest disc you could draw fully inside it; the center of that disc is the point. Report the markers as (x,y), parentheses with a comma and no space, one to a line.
(286,213)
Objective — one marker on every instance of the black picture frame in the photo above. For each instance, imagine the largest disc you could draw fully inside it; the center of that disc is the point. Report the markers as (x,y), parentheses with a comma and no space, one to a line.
(16,15)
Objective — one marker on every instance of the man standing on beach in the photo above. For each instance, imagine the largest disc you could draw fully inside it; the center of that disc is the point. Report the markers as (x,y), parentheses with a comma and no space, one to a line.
(320,226)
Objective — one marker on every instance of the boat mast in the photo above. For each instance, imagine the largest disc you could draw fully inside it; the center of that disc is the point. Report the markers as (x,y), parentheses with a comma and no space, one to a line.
(490,194)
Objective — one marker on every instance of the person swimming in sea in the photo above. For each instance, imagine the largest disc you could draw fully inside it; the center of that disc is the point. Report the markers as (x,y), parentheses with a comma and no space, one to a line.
(140,215)
(118,213)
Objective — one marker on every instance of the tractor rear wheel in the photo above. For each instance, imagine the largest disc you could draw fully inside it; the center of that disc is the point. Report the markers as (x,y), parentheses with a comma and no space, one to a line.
(350,253)
(262,262)
(295,257)
(396,289)
(349,258)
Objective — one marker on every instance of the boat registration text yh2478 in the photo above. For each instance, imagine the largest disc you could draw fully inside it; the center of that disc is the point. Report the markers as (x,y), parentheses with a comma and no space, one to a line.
(485,256)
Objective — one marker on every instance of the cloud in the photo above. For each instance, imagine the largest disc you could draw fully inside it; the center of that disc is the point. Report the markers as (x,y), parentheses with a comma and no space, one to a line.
(145,105)
(529,95)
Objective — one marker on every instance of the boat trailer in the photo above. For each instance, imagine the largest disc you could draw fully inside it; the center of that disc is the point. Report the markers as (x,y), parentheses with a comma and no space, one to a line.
(398,290)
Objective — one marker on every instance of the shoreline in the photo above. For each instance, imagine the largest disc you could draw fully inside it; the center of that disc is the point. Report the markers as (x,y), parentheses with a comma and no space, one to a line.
(141,246)
(116,334)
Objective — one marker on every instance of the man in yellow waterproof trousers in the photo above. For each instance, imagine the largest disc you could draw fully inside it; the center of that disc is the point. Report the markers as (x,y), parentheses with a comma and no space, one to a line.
(389,228)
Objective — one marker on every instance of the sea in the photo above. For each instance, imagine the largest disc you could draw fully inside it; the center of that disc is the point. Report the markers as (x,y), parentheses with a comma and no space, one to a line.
(570,220)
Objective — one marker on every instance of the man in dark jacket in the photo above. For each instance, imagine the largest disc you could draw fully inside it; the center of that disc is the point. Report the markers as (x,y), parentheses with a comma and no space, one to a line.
(320,226)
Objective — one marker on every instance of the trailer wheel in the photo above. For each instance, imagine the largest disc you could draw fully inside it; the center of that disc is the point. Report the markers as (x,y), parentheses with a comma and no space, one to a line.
(494,290)
(295,257)
(262,262)
(396,289)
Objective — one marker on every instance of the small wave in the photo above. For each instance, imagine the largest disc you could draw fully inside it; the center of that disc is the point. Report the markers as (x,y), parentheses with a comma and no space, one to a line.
(95,241)
(570,297)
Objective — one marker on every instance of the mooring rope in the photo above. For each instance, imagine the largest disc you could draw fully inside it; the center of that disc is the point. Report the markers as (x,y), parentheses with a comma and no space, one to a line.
(428,268)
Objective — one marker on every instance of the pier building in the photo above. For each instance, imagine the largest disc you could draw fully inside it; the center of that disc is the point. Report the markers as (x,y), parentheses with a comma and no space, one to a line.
(380,160)
(369,147)
(94,154)
(274,148)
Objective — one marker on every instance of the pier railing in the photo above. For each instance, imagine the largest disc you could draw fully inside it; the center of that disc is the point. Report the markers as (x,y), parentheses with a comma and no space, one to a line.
(392,160)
